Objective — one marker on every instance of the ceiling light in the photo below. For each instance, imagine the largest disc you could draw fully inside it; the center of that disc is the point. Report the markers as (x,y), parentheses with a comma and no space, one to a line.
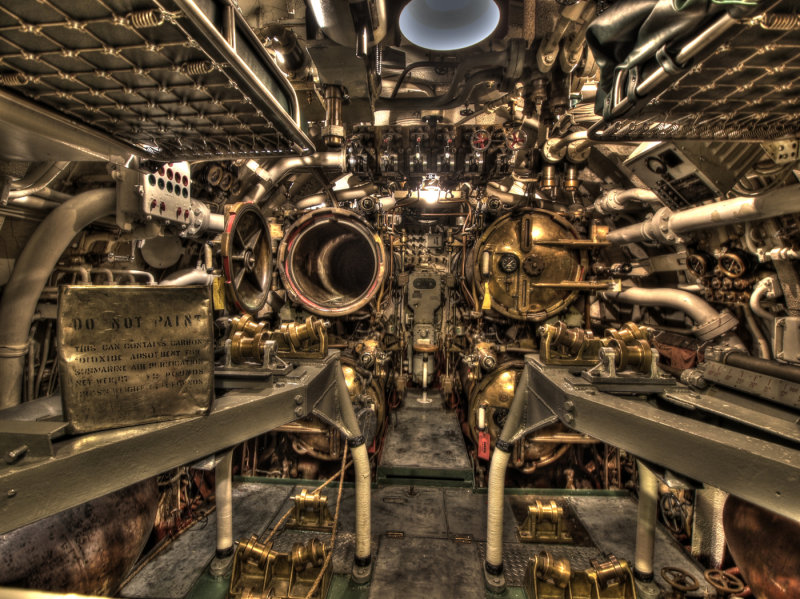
(448,24)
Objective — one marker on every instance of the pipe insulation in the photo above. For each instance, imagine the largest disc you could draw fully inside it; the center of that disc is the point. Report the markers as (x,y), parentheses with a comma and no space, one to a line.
(497,479)
(31,271)
(646,524)
(666,227)
(363,481)
(223,492)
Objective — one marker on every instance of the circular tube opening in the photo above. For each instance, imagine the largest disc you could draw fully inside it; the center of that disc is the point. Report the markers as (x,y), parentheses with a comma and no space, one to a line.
(332,263)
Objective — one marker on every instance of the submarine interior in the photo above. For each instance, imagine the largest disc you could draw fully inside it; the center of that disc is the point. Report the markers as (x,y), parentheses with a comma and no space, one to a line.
(371,299)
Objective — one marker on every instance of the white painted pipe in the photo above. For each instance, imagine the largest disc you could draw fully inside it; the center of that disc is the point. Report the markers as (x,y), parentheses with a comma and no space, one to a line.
(497,482)
(762,289)
(31,271)
(363,507)
(666,227)
(646,524)
(277,171)
(223,492)
(620,200)
(188,277)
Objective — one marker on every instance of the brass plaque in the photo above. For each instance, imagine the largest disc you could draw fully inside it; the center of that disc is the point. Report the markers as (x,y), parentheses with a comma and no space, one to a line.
(134,354)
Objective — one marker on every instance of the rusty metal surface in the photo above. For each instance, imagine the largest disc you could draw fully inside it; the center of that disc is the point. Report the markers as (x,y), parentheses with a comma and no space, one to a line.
(131,355)
(764,546)
(87,549)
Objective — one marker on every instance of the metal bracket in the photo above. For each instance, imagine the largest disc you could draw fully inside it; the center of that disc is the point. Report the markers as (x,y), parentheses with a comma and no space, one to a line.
(546,522)
(260,572)
(550,578)
(310,512)
(763,471)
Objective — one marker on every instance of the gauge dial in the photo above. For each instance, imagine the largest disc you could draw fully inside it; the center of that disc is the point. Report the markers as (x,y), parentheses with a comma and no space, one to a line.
(509,263)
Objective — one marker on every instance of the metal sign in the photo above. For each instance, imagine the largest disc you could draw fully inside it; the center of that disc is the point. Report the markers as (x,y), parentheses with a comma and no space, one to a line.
(134,354)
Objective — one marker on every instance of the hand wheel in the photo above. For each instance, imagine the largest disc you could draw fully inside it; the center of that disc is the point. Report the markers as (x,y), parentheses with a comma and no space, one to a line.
(724,582)
(247,257)
(680,580)
(673,512)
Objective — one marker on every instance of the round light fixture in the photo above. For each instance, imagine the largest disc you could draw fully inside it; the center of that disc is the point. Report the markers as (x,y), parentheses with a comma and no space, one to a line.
(448,24)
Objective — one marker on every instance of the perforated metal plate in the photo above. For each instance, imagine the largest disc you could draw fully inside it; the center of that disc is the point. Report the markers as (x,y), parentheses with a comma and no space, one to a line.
(745,85)
(176,79)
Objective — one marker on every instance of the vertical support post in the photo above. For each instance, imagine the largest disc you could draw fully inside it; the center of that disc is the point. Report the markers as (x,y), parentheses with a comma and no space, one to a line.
(223,492)
(646,524)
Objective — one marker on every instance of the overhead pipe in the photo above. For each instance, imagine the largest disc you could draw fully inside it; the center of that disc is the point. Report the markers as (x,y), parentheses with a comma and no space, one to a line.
(31,271)
(709,324)
(450,99)
(666,227)
(335,19)
(275,173)
(341,195)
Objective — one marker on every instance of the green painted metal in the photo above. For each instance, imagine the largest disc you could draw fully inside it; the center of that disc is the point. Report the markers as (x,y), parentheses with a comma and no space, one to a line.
(342,587)
(209,587)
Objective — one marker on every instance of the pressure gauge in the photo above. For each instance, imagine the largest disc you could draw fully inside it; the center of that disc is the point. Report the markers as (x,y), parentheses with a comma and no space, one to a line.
(509,263)
(480,140)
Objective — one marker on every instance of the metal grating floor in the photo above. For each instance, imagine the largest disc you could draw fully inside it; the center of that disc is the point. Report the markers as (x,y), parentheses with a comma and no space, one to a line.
(144,72)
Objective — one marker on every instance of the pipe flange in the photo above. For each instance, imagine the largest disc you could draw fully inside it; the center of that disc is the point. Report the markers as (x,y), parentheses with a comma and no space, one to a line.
(711,329)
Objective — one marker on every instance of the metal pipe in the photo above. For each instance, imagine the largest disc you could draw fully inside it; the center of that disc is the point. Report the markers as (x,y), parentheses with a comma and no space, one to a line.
(646,524)
(148,276)
(764,288)
(45,180)
(762,345)
(342,195)
(276,172)
(34,203)
(493,568)
(709,324)
(666,226)
(223,492)
(786,372)
(508,199)
(187,277)
(31,271)
(620,200)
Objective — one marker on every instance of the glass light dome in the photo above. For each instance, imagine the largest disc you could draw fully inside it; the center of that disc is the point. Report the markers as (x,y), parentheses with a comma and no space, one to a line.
(448,24)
